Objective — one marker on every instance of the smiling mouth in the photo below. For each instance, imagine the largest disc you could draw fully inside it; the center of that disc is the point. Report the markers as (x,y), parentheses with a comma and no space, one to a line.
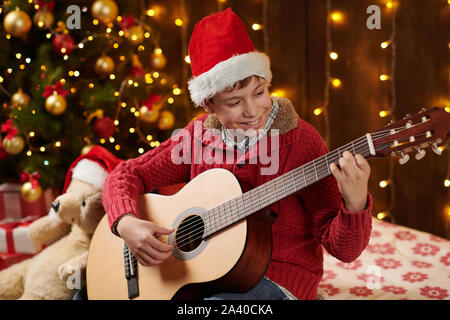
(251,123)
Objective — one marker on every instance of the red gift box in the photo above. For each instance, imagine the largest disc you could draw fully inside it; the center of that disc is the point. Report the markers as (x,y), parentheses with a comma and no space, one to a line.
(14,238)
(8,259)
(14,207)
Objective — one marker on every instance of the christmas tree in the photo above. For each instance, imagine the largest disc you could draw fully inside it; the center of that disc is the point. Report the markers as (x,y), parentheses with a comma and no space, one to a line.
(72,76)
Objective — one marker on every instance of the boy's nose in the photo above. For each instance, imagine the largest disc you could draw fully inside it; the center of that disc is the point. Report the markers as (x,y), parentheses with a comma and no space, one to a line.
(250,111)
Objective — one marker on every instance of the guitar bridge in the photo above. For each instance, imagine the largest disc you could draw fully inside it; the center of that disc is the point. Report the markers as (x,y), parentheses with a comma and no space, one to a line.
(130,264)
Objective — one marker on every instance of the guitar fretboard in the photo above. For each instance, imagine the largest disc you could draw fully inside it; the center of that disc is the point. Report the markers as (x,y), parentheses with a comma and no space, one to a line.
(276,189)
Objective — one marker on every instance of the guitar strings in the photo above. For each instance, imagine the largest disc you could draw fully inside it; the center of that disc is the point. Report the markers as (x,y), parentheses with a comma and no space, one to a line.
(216,212)
(218,217)
(375,136)
(343,147)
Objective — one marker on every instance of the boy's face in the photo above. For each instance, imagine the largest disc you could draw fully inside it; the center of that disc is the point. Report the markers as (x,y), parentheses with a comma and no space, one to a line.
(245,108)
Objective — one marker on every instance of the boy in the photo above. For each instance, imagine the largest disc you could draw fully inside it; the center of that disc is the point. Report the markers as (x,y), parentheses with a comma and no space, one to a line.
(231,81)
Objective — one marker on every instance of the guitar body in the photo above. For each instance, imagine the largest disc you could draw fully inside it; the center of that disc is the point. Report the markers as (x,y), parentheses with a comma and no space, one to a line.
(231,260)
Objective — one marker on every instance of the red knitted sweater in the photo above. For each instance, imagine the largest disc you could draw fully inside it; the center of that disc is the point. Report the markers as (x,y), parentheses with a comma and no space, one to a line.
(311,218)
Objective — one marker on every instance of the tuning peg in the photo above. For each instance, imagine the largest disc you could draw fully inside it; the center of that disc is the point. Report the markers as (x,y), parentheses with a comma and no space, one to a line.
(436,148)
(423,109)
(420,153)
(407,116)
(404,158)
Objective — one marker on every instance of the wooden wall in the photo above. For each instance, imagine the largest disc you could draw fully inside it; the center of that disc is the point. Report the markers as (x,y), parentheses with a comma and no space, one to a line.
(295,40)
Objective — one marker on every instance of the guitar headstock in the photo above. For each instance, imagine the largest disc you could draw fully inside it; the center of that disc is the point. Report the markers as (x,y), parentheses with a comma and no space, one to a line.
(413,133)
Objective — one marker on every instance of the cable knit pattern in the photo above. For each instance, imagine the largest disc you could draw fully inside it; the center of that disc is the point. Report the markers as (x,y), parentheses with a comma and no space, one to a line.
(311,218)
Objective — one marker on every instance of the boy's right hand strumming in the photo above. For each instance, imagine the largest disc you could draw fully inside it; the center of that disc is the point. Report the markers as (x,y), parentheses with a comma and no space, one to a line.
(141,237)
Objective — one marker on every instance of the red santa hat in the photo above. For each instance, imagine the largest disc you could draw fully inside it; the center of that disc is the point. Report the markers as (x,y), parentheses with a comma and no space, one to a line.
(92,167)
(222,54)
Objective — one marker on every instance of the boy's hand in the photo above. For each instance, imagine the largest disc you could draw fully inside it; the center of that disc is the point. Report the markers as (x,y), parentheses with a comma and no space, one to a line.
(352,180)
(141,237)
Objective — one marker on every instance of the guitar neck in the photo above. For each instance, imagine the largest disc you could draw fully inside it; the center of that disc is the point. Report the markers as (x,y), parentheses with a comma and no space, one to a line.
(276,189)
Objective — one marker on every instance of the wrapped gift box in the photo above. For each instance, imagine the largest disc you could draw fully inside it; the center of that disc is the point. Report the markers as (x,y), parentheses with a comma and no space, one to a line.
(8,259)
(14,207)
(14,238)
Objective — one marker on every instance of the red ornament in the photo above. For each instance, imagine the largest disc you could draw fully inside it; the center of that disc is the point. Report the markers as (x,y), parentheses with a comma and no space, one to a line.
(63,44)
(104,127)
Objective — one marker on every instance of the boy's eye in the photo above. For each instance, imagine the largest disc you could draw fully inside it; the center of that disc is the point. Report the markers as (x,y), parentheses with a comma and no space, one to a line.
(260,93)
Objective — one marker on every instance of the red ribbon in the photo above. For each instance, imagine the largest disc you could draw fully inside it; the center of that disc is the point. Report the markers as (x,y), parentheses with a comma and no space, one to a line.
(153,98)
(136,72)
(10,129)
(32,177)
(56,87)
(127,22)
(49,6)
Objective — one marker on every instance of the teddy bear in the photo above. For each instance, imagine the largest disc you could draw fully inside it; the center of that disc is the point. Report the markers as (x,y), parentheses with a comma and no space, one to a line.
(56,272)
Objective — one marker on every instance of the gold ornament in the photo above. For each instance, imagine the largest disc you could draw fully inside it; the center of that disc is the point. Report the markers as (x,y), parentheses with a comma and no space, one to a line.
(17,23)
(86,149)
(158,60)
(29,193)
(55,104)
(166,120)
(43,19)
(105,10)
(104,65)
(20,98)
(148,115)
(14,145)
(135,34)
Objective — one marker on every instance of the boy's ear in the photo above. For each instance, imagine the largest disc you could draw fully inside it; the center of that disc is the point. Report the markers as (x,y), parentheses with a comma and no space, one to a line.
(207,106)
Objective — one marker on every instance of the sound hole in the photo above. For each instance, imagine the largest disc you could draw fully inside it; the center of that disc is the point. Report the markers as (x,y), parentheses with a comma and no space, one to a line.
(189,233)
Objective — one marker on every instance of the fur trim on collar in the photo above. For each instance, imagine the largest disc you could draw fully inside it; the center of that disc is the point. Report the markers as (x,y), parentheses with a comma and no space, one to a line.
(286,120)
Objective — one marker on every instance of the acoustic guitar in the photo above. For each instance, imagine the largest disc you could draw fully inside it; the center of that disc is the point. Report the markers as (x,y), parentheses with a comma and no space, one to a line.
(223,240)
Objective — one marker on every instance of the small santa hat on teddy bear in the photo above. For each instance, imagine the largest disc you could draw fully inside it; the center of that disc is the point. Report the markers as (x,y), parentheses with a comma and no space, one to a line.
(92,167)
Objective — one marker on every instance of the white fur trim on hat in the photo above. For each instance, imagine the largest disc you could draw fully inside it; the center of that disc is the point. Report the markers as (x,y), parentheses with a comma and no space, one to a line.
(227,73)
(91,172)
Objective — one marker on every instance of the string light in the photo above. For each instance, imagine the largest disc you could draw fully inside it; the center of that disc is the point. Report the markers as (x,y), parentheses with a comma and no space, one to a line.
(333,55)
(383,183)
(447,183)
(384,113)
(336,16)
(257,27)
(381,215)
(385,44)
(336,82)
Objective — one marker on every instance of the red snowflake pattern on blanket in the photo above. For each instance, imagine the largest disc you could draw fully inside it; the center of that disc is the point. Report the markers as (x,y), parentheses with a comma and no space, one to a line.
(414,277)
(388,263)
(434,292)
(425,249)
(361,291)
(394,289)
